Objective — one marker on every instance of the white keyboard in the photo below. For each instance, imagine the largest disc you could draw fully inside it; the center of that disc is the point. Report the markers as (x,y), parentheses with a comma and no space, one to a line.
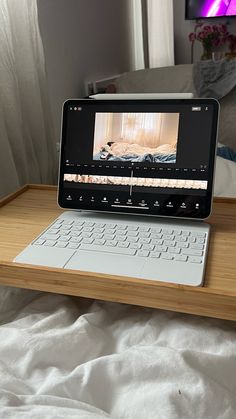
(172,244)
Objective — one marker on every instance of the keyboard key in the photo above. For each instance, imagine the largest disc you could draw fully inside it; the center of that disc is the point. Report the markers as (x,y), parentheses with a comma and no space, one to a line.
(75,239)
(192,259)
(181,239)
(131,228)
(156,236)
(72,245)
(121,232)
(147,247)
(185,233)
(50,243)
(155,254)
(97,236)
(181,258)
(75,234)
(197,246)
(89,224)
(109,236)
(64,238)
(135,245)
(112,243)
(109,231)
(155,230)
(61,244)
(120,238)
(50,237)
(87,241)
(99,242)
(76,227)
(52,231)
(121,227)
(144,240)
(142,253)
(167,256)
(108,249)
(167,231)
(168,237)
(39,242)
(161,248)
(157,242)
(65,226)
(199,234)
(192,239)
(133,239)
(125,245)
(183,245)
(133,233)
(174,250)
(169,243)
(144,234)
(98,230)
(145,229)
(200,241)
(86,235)
(64,232)
(192,252)
(58,222)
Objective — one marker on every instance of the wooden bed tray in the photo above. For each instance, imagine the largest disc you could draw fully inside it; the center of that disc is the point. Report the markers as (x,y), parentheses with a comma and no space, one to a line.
(24,214)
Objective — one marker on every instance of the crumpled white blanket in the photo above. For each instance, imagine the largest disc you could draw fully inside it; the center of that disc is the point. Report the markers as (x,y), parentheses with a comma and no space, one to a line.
(65,357)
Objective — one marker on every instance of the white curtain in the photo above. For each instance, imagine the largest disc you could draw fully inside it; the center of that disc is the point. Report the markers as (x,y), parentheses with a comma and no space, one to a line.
(152,33)
(160,33)
(27,143)
(136,34)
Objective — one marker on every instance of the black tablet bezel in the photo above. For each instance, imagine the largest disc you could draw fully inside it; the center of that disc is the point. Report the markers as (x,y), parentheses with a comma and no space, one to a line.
(128,210)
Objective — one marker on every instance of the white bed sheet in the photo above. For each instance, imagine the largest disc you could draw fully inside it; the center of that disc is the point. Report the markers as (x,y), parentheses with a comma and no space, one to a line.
(64,357)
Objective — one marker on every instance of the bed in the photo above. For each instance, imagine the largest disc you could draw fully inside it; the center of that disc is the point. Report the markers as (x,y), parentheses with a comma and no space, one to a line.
(128,151)
(66,357)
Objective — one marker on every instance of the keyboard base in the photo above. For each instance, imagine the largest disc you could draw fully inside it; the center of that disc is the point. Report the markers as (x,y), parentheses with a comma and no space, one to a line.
(121,261)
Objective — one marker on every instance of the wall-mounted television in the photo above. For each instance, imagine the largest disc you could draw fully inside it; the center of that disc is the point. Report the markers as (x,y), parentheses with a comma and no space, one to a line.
(199,9)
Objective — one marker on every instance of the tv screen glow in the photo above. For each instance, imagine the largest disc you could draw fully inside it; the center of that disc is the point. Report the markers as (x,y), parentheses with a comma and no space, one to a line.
(210,8)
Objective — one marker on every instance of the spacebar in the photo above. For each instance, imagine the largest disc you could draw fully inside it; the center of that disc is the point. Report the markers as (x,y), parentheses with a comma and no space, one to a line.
(108,249)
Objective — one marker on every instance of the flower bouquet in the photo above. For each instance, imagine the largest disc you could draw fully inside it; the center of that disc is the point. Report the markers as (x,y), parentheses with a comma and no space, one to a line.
(212,38)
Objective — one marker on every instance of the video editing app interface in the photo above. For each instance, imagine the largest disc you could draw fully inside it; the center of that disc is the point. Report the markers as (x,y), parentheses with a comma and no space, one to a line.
(145,159)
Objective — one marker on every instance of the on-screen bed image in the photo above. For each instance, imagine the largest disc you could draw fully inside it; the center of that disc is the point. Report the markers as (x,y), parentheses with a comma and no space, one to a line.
(136,137)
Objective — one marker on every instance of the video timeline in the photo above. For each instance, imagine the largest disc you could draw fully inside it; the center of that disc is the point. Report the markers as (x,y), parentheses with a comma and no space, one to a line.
(136,181)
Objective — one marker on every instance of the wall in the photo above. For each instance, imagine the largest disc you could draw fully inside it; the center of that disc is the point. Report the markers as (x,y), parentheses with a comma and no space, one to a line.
(183,27)
(83,39)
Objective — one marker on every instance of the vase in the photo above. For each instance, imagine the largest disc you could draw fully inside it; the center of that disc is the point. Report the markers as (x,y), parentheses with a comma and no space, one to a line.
(207,54)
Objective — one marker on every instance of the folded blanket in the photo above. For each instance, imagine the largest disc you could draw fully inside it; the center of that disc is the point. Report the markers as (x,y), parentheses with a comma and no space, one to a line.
(227,153)
(214,79)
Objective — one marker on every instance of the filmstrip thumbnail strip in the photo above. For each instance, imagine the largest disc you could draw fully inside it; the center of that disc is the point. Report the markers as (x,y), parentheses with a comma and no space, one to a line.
(137,181)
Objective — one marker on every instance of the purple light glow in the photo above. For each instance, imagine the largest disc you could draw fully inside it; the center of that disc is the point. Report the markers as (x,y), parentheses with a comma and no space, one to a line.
(213,8)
